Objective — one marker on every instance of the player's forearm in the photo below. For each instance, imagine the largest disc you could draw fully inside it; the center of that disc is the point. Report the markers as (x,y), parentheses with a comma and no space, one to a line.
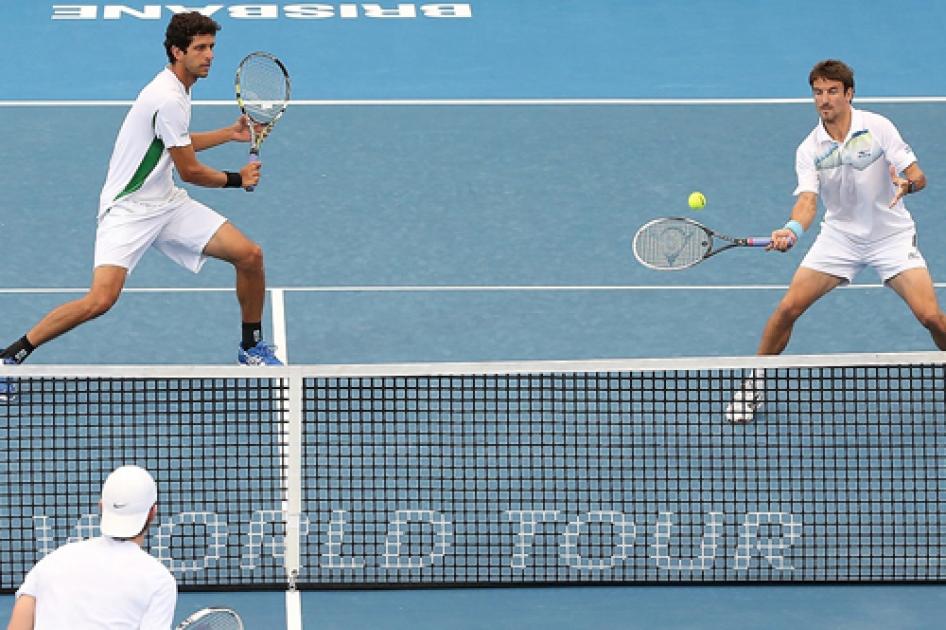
(208,139)
(201,175)
(805,209)
(803,216)
(916,177)
(24,613)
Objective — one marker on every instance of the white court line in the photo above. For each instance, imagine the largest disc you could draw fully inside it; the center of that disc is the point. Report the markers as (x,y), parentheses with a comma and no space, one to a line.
(277,292)
(277,304)
(460,288)
(499,101)
(124,290)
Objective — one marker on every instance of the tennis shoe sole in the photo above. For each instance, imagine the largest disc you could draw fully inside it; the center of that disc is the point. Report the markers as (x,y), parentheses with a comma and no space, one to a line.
(8,388)
(745,403)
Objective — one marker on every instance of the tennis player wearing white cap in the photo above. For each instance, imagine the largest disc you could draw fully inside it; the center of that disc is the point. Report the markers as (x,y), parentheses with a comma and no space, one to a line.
(107,582)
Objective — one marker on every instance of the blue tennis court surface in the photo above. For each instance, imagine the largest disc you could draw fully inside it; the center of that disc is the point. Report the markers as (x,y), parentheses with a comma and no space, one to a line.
(506,49)
(462,232)
(860,607)
(465,188)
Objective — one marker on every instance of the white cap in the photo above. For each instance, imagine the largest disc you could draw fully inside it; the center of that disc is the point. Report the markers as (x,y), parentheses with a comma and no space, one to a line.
(127,498)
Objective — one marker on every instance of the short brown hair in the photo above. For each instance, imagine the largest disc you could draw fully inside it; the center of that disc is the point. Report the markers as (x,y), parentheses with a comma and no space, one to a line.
(832,70)
(182,29)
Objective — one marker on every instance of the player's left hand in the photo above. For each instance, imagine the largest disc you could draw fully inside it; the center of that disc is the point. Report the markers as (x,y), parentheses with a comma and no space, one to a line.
(241,129)
(900,183)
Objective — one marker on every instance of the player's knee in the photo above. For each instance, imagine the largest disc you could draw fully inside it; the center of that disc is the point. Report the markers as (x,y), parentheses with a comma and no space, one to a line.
(97,305)
(789,311)
(252,258)
(932,319)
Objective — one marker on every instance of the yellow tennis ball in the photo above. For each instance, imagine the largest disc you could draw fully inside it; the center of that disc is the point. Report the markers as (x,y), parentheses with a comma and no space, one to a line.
(697,200)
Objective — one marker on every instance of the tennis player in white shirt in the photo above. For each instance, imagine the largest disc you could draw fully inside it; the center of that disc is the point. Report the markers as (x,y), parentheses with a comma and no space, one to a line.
(862,169)
(108,582)
(141,207)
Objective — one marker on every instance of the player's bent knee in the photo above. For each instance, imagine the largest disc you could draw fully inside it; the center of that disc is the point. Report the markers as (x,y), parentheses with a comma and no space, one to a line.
(98,305)
(932,319)
(252,257)
(97,309)
(789,311)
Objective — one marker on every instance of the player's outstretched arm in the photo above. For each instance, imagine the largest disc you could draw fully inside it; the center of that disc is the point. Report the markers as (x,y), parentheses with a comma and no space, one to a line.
(803,216)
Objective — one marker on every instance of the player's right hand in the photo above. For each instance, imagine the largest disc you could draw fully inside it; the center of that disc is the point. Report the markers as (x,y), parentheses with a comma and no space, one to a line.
(250,173)
(782,240)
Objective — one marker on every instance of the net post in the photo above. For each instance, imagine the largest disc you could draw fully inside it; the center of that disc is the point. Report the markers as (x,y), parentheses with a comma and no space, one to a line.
(291,551)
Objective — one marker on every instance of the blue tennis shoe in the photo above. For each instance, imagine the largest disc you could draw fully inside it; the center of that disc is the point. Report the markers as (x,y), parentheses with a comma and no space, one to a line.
(260,354)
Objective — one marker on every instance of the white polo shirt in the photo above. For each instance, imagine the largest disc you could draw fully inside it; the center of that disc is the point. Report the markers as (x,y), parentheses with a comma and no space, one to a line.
(101,583)
(140,169)
(853,177)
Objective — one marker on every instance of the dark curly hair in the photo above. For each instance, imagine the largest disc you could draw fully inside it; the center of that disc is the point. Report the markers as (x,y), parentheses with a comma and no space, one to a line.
(182,29)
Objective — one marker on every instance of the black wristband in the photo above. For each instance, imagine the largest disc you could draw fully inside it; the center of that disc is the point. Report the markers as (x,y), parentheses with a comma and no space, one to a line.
(234,180)
(912,187)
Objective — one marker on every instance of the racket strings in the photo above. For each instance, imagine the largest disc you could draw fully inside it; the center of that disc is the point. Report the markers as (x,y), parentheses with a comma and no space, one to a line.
(669,245)
(264,89)
(214,620)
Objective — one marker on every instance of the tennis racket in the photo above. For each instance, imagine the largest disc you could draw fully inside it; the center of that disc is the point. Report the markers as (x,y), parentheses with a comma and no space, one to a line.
(212,619)
(676,243)
(262,92)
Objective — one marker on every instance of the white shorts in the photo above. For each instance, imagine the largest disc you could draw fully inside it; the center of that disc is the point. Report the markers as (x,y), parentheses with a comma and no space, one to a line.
(180,230)
(835,254)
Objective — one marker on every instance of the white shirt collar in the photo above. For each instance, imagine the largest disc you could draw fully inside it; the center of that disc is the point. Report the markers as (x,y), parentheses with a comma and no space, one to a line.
(857,123)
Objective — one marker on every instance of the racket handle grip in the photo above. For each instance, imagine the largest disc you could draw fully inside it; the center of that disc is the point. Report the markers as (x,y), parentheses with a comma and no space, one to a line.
(254,157)
(763,241)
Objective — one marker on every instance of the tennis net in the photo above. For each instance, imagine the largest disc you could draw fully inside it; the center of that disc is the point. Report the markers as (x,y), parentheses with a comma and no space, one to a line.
(493,474)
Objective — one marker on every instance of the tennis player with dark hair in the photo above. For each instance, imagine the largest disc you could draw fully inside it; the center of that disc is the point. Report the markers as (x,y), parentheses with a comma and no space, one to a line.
(108,581)
(862,169)
(140,206)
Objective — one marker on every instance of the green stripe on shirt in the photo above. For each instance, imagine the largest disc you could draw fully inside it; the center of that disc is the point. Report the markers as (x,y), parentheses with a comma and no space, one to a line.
(148,164)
